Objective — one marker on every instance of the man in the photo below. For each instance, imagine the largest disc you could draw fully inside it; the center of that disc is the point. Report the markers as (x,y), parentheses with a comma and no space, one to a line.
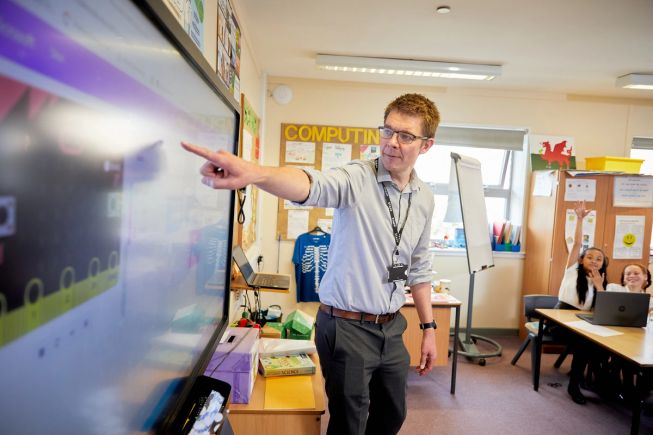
(380,239)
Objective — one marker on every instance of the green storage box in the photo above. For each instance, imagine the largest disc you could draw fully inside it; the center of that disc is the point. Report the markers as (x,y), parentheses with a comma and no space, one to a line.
(298,326)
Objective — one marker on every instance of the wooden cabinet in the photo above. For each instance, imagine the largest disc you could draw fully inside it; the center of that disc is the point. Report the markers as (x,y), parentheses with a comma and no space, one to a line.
(546,253)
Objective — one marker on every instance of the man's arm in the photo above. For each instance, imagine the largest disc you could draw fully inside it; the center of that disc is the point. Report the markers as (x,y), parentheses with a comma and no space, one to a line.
(224,170)
(422,297)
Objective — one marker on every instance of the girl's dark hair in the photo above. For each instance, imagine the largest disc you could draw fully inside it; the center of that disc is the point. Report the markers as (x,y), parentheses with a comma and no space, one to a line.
(581,281)
(645,271)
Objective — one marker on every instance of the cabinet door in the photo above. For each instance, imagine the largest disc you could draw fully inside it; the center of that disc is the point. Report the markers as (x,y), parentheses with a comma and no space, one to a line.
(616,266)
(538,238)
(560,253)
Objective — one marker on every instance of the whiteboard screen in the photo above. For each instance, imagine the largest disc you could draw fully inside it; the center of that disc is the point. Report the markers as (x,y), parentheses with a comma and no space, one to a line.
(472,201)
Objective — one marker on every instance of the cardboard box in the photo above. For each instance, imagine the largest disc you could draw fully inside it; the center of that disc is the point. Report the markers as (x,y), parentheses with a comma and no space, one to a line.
(270,331)
(235,361)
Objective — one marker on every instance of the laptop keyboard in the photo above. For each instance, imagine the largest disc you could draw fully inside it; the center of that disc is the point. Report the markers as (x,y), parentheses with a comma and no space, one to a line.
(264,281)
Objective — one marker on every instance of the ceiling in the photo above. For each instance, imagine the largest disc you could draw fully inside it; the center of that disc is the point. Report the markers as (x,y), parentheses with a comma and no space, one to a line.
(561,46)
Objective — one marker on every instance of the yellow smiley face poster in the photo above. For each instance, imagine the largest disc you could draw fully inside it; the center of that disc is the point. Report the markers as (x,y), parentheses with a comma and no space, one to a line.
(629,240)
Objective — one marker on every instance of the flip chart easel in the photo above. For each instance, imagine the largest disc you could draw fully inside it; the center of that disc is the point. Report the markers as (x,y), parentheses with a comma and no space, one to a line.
(479,250)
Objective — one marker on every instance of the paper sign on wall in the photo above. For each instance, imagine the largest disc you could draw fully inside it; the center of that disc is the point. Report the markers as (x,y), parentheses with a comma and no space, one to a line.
(335,155)
(628,237)
(580,189)
(300,152)
(589,228)
(633,192)
(543,183)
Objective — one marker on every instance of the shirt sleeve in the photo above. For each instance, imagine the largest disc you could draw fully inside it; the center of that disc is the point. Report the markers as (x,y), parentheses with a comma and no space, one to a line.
(337,187)
(612,287)
(420,267)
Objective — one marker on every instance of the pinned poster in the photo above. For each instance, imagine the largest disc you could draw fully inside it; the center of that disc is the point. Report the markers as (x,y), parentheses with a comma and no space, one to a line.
(589,228)
(544,181)
(297,223)
(580,189)
(369,152)
(628,237)
(335,155)
(300,152)
(633,192)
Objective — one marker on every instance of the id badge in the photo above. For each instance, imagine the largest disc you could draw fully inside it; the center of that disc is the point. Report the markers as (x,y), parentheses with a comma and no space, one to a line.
(397,272)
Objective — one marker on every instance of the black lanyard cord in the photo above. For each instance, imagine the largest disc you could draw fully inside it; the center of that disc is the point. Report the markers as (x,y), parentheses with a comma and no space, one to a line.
(397,232)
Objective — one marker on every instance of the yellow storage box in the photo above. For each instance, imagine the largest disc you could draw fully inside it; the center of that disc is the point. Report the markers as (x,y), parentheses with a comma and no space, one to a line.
(607,163)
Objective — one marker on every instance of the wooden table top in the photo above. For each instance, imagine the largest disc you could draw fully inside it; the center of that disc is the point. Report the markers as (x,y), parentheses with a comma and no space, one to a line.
(256,403)
(634,344)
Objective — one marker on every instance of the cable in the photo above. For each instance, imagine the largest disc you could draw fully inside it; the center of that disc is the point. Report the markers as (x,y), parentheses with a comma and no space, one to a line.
(242,196)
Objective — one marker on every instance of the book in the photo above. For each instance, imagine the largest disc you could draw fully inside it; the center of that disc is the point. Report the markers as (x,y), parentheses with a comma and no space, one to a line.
(285,365)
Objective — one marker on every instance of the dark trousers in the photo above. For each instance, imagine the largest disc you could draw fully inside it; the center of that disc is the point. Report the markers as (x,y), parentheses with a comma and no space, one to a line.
(365,367)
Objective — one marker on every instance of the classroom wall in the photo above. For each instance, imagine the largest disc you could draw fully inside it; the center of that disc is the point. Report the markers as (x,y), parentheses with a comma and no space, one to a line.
(600,126)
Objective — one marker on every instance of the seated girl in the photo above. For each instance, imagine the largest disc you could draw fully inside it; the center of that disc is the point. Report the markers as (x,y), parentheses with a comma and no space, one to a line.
(585,274)
(635,278)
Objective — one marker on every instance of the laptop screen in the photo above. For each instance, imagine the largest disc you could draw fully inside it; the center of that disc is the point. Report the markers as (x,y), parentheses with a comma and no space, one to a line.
(243,263)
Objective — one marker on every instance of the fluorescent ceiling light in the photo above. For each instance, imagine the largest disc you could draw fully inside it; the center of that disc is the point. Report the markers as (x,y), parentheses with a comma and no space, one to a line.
(407,67)
(636,81)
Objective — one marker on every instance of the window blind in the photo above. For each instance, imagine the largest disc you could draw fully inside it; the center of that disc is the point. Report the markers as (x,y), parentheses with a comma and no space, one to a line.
(481,137)
(643,143)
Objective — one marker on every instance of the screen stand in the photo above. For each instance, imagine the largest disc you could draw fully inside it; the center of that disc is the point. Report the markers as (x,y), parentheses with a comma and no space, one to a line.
(466,341)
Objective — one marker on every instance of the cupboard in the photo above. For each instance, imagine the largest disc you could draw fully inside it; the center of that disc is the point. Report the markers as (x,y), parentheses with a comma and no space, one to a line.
(546,253)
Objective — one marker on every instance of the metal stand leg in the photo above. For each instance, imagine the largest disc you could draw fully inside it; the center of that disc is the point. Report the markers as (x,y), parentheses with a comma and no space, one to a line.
(454,360)
(468,343)
(637,403)
(537,360)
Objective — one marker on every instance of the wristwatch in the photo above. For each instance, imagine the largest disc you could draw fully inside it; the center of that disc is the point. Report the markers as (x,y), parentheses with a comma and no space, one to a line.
(428,325)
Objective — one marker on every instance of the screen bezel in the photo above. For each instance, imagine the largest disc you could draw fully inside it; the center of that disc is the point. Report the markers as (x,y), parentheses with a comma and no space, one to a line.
(165,22)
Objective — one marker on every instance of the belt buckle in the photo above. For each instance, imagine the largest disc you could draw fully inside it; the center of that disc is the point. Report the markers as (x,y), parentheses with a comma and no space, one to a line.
(376,319)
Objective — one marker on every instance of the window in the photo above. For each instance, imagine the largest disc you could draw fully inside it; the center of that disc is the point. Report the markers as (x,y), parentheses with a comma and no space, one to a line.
(502,168)
(642,148)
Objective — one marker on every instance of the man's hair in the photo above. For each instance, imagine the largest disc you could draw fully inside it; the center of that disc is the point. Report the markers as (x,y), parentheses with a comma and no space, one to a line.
(419,106)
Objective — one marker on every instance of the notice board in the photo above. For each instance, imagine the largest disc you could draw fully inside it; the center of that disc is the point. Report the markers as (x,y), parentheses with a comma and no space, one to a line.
(249,150)
(320,147)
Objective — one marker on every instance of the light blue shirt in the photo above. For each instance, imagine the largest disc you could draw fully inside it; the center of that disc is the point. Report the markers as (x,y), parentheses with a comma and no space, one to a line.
(362,240)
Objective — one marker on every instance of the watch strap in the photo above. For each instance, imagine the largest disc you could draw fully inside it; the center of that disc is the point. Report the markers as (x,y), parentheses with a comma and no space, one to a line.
(428,325)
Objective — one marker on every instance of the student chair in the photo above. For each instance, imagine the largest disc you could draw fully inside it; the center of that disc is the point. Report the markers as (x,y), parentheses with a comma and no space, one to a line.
(531,303)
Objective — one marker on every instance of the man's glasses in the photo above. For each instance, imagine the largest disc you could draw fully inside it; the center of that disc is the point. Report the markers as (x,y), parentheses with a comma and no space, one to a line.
(403,137)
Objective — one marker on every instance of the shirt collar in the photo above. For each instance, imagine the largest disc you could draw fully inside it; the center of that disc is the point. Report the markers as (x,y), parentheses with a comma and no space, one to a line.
(383,175)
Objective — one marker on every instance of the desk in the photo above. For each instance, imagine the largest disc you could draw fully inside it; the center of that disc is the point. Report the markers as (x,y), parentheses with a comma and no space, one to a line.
(253,418)
(441,305)
(634,345)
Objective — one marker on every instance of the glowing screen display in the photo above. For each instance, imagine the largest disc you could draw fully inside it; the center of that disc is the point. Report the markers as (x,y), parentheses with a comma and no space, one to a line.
(114,258)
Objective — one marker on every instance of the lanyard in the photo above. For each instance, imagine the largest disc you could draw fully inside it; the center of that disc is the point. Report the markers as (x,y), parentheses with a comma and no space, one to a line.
(396,231)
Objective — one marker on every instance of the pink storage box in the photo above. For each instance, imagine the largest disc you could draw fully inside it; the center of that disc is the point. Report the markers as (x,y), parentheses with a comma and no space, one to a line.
(235,361)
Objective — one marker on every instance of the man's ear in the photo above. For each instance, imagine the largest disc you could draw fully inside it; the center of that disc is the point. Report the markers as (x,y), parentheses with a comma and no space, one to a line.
(428,143)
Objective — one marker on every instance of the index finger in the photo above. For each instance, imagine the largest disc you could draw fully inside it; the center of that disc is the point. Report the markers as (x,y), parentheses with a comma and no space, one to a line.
(198,150)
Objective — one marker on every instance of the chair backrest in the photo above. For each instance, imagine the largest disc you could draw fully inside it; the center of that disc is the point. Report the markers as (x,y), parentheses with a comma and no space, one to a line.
(531,302)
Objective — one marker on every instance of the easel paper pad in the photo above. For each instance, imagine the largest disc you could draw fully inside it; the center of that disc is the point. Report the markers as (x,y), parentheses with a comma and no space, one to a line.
(289,392)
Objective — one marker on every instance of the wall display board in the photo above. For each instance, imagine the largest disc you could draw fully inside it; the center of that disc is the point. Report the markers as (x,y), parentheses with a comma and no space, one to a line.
(228,62)
(249,150)
(321,147)
(114,258)
(198,18)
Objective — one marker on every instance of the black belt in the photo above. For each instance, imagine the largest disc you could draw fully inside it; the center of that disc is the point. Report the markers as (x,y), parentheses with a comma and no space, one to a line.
(354,315)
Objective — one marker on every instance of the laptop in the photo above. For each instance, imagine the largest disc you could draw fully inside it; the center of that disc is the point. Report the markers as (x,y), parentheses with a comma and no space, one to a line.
(619,309)
(255,279)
